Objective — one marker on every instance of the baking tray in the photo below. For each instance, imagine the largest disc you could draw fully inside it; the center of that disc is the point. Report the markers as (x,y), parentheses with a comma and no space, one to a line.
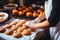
(9,37)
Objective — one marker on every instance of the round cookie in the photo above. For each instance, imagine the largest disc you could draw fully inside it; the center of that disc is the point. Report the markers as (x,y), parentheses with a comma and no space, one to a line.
(13,27)
(20,29)
(7,26)
(2,30)
(16,34)
(26,32)
(8,32)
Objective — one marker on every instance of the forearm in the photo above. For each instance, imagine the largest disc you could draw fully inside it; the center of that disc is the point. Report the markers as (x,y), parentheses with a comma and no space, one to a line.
(43,24)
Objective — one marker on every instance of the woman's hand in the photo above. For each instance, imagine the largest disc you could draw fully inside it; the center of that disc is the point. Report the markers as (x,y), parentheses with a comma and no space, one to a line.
(29,23)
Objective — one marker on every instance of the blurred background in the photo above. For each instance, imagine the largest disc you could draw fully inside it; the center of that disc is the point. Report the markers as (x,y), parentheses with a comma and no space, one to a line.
(21,2)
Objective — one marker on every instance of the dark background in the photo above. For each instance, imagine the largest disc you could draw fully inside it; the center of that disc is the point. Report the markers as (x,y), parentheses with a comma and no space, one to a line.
(26,2)
(29,2)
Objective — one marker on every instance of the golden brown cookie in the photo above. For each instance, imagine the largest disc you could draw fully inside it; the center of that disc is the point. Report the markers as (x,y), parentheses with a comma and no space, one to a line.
(2,30)
(20,29)
(13,22)
(7,26)
(26,32)
(15,12)
(20,23)
(8,32)
(16,34)
(13,28)
(35,14)
(21,13)
(29,14)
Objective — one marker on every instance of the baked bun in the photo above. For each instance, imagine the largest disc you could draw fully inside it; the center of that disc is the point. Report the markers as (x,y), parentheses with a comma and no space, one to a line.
(13,22)
(26,32)
(24,11)
(29,14)
(7,26)
(20,23)
(24,27)
(35,14)
(13,28)
(2,30)
(15,11)
(16,34)
(21,13)
(8,32)
(29,29)
(20,29)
